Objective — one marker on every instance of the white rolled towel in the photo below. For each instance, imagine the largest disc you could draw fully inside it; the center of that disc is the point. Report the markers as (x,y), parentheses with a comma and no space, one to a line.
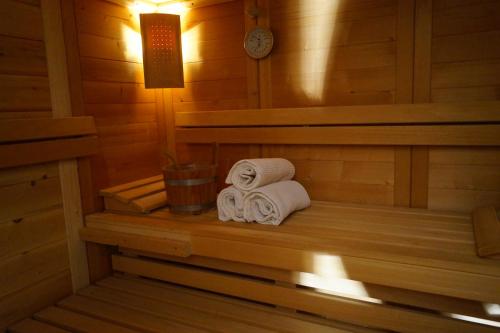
(247,175)
(230,204)
(272,203)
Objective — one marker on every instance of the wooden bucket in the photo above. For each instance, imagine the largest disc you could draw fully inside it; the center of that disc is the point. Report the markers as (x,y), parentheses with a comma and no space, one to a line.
(191,188)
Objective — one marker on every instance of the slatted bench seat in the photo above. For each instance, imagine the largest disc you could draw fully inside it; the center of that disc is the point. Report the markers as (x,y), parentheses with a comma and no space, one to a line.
(370,263)
(130,304)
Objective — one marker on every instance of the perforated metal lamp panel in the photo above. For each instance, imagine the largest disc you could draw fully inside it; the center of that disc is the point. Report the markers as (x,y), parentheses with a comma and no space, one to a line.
(162,51)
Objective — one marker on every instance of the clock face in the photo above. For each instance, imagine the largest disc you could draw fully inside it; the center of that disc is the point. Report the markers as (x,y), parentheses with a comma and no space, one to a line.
(258,42)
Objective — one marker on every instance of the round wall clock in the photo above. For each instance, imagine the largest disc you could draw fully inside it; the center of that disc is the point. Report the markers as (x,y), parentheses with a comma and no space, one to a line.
(258,42)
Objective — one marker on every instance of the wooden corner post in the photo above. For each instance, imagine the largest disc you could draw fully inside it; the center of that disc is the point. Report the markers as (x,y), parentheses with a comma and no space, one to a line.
(60,93)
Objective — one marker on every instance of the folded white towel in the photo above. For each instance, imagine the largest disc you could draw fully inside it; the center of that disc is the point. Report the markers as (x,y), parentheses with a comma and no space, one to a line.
(247,175)
(271,204)
(230,204)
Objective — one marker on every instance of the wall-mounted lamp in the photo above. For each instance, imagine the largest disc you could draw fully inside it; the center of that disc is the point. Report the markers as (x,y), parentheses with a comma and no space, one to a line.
(162,50)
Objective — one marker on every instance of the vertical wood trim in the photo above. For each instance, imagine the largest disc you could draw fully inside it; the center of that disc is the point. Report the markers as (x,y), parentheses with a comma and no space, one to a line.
(98,256)
(404,94)
(168,108)
(251,64)
(72,57)
(404,51)
(162,123)
(61,107)
(265,86)
(419,176)
(402,176)
(423,41)
(421,94)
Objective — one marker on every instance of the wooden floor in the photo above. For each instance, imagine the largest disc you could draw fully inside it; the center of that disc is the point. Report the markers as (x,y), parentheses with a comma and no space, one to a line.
(127,304)
(405,248)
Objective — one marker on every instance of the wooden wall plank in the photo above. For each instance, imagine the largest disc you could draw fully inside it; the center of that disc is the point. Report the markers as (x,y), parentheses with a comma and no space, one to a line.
(21,305)
(28,197)
(27,268)
(24,93)
(20,20)
(22,56)
(22,232)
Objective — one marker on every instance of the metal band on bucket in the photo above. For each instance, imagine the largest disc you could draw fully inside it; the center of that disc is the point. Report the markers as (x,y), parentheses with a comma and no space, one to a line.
(189,182)
(192,208)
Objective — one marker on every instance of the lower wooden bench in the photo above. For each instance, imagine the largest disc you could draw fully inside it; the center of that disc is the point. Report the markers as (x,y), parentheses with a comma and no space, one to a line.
(130,304)
(402,270)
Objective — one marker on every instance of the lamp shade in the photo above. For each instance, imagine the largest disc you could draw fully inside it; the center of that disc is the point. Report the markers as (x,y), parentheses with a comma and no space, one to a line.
(162,50)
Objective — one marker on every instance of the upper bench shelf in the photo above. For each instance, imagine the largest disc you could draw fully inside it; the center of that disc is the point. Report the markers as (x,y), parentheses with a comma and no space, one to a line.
(405,248)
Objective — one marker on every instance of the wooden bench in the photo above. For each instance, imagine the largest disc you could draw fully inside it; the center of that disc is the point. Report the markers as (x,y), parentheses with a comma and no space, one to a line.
(405,270)
(130,304)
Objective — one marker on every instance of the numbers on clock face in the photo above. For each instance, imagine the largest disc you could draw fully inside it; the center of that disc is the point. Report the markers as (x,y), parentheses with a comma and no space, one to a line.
(258,42)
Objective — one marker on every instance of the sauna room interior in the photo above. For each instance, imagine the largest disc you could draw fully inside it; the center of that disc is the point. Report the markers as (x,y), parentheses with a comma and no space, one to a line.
(250,166)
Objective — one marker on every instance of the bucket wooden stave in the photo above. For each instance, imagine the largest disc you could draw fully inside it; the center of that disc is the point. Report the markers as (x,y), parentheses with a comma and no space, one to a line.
(191,188)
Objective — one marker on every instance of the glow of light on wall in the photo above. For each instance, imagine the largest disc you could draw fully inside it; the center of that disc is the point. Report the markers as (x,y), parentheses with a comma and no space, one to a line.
(132,37)
(315,56)
(177,8)
(133,44)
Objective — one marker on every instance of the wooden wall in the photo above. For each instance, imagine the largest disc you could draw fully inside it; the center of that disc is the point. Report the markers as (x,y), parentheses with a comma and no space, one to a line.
(215,74)
(465,66)
(33,248)
(364,53)
(113,92)
(326,53)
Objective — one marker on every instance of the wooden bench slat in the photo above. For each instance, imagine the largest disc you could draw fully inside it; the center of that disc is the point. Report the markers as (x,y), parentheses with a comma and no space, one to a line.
(32,326)
(77,322)
(141,196)
(150,202)
(138,192)
(123,187)
(117,314)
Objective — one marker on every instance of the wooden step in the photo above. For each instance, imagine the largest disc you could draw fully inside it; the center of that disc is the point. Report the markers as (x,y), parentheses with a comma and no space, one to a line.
(130,304)
(140,196)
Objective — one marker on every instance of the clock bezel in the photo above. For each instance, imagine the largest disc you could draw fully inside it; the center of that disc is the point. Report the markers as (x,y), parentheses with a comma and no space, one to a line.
(247,36)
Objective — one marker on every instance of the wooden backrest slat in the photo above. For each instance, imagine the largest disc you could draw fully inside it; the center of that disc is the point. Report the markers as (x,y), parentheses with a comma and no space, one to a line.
(427,135)
(423,113)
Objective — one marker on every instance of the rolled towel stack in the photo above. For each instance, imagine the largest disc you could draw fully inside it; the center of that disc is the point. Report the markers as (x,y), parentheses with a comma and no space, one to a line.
(261,192)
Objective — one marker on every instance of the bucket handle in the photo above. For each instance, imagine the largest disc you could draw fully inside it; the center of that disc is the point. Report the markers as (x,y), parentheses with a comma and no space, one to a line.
(172,159)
